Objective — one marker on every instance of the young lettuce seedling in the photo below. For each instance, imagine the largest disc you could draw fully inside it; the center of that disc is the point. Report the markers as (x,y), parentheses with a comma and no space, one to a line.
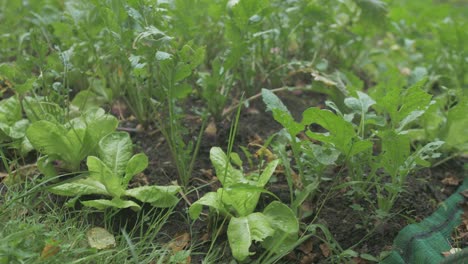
(109,175)
(275,227)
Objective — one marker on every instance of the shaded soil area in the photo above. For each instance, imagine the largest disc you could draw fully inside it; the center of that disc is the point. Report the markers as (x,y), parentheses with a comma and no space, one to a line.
(352,227)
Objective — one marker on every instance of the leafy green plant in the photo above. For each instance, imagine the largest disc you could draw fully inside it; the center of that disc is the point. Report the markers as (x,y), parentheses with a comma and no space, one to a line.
(12,124)
(340,137)
(275,227)
(109,174)
(69,143)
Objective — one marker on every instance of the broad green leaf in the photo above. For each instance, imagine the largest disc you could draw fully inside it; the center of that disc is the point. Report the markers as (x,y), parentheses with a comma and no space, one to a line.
(189,60)
(87,99)
(456,132)
(10,110)
(325,154)
(361,104)
(80,187)
(101,172)
(340,133)
(358,146)
(50,138)
(99,124)
(286,226)
(38,108)
(241,231)
(115,150)
(211,200)
(235,158)
(414,99)
(281,242)
(46,167)
(161,55)
(250,187)
(226,174)
(135,165)
(282,217)
(288,122)
(102,204)
(78,138)
(18,129)
(405,106)
(424,154)
(25,87)
(260,227)
(395,151)
(273,102)
(181,91)
(242,200)
(280,112)
(158,196)
(239,237)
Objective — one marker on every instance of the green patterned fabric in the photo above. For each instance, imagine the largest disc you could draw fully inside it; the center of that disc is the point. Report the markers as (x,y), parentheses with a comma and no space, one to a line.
(424,242)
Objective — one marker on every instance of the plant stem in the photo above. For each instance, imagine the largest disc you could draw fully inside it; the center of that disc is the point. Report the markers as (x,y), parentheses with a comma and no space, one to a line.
(284,88)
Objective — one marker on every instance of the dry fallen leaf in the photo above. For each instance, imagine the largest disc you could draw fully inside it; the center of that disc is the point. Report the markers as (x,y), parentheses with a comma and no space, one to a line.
(179,242)
(325,250)
(307,246)
(211,130)
(451,181)
(308,259)
(100,238)
(49,250)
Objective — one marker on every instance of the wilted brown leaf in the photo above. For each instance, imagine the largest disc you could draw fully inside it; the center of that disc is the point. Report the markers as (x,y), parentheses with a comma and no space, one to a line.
(325,250)
(211,130)
(307,246)
(308,259)
(49,250)
(179,242)
(451,181)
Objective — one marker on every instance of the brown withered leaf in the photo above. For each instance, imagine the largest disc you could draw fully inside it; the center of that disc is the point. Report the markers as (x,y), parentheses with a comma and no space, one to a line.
(211,130)
(50,249)
(325,250)
(180,241)
(451,181)
(308,259)
(307,246)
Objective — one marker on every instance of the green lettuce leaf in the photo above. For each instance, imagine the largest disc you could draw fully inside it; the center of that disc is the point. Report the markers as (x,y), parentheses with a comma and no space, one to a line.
(243,230)
(116,203)
(158,196)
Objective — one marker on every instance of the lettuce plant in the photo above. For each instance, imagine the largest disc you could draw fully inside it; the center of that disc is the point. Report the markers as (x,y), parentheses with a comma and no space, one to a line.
(12,124)
(276,227)
(69,143)
(109,174)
